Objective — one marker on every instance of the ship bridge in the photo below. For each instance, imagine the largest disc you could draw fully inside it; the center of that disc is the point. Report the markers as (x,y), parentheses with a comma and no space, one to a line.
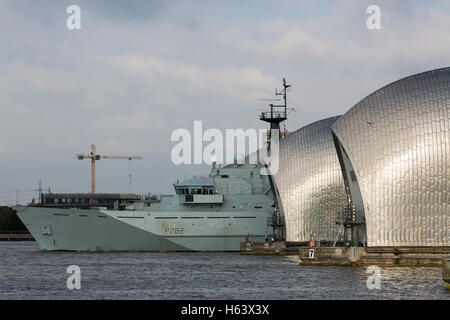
(198,191)
(195,186)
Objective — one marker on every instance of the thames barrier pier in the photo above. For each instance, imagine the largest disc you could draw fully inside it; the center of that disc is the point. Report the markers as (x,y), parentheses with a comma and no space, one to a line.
(355,256)
(369,186)
(386,257)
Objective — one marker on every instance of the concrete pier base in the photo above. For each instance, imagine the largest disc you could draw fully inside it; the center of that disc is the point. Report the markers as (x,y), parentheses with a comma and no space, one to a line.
(353,256)
(359,256)
(267,248)
(446,272)
(16,236)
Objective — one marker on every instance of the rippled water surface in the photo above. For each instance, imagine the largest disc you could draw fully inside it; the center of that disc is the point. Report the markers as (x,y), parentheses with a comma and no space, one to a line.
(28,273)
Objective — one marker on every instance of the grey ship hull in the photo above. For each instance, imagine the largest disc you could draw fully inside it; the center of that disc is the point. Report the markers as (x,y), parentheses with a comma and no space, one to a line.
(109,230)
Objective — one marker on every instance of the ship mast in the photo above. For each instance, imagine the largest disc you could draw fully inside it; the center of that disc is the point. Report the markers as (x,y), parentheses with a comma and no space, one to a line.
(276,115)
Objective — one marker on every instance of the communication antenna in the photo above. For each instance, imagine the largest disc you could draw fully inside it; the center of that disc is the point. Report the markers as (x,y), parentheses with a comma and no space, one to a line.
(129,162)
(277,113)
(271,100)
(40,191)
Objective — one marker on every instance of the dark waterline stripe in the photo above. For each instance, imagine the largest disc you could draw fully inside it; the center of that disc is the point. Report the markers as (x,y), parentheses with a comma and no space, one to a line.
(192,217)
(124,217)
(166,217)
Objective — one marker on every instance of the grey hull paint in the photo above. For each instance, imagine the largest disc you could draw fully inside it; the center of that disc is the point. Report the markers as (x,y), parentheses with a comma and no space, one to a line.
(97,230)
(86,230)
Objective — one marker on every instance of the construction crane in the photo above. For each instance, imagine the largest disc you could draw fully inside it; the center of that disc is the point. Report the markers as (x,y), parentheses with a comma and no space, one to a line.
(95,157)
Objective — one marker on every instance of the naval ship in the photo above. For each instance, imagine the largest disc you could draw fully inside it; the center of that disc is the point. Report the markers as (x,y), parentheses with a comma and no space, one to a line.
(232,205)
(213,213)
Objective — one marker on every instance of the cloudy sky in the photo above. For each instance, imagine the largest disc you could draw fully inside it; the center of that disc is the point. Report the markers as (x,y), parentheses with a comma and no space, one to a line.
(137,70)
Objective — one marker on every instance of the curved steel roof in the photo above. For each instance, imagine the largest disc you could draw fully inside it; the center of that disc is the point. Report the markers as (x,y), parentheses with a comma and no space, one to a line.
(398,142)
(310,183)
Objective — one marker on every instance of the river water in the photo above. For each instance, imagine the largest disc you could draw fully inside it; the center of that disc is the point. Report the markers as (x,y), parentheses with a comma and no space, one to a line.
(28,273)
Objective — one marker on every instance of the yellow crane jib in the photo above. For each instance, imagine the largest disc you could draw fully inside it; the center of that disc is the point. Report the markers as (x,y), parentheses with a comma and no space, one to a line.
(95,157)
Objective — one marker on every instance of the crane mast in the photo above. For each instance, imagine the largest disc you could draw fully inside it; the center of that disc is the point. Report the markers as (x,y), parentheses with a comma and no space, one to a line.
(95,157)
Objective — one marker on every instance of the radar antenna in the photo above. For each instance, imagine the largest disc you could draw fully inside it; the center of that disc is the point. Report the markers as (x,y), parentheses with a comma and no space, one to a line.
(277,113)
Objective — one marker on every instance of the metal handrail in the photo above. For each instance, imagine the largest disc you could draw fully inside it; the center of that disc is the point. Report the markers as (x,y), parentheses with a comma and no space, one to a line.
(273,114)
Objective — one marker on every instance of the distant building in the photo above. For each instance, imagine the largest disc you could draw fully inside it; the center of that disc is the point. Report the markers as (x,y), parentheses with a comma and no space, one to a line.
(87,200)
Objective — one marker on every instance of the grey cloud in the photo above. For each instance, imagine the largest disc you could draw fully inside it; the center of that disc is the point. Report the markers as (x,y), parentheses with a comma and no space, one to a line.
(125,86)
(124,10)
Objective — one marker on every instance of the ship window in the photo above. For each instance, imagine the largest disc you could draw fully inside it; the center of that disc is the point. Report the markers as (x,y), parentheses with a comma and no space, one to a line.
(211,191)
(224,176)
(182,191)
